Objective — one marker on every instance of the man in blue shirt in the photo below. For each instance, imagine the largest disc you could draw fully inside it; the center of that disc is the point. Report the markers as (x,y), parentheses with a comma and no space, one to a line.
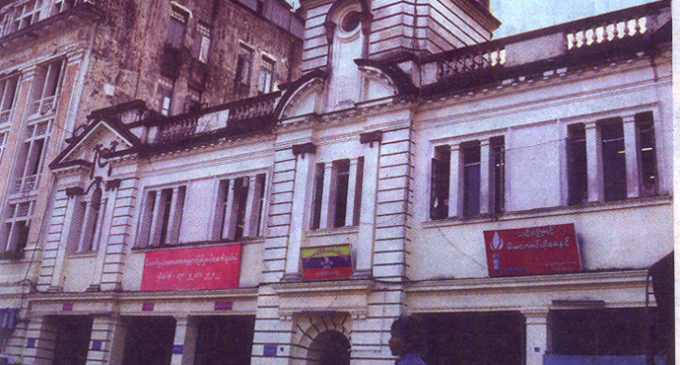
(405,341)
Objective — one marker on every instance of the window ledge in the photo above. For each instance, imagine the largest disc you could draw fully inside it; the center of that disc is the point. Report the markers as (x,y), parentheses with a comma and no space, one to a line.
(80,255)
(553,211)
(243,241)
(333,231)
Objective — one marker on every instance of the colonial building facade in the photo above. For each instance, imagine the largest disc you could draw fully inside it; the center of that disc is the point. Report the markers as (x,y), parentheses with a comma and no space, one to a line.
(509,193)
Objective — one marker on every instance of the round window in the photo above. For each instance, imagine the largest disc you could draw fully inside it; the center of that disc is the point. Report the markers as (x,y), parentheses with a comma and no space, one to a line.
(351,21)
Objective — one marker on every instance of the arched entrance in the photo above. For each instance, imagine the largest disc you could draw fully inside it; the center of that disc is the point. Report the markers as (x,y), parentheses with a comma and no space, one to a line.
(329,348)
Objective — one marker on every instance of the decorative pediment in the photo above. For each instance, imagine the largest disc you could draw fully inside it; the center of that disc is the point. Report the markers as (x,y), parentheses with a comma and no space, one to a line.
(100,138)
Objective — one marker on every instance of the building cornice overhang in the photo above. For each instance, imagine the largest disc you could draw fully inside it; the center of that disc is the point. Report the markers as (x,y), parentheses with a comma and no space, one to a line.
(324,296)
(634,278)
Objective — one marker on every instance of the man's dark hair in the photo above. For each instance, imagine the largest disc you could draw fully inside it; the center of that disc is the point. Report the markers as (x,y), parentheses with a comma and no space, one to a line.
(409,329)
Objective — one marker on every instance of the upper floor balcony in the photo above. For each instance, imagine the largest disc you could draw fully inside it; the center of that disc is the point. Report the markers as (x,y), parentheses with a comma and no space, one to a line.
(36,18)
(611,37)
(238,117)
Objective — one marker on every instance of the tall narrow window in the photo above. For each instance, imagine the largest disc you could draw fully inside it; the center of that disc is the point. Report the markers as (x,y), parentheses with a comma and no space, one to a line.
(244,64)
(166,91)
(318,196)
(26,14)
(577,167)
(497,177)
(16,228)
(241,186)
(177,26)
(46,87)
(439,190)
(31,156)
(61,6)
(8,87)
(193,100)
(266,75)
(3,142)
(613,159)
(644,124)
(471,178)
(202,44)
(162,216)
(85,224)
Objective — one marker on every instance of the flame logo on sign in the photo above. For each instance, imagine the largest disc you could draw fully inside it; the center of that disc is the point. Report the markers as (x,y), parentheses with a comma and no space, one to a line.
(496,242)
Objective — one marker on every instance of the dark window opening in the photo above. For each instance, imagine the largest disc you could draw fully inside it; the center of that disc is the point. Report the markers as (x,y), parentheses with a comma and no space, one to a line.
(471,178)
(577,164)
(492,338)
(241,200)
(166,204)
(439,190)
(497,174)
(613,160)
(224,340)
(177,27)
(318,196)
(244,65)
(72,340)
(644,123)
(149,340)
(351,21)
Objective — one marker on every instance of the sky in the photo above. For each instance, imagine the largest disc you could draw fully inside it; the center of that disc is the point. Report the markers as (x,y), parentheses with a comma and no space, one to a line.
(519,16)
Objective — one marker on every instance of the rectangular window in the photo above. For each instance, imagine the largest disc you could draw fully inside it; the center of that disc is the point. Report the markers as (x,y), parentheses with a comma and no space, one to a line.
(3,142)
(644,125)
(166,91)
(61,6)
(613,159)
(177,27)
(471,178)
(162,216)
(439,190)
(26,14)
(577,166)
(202,44)
(31,156)
(85,224)
(17,224)
(193,100)
(244,64)
(46,87)
(8,88)
(332,206)
(497,178)
(240,206)
(266,83)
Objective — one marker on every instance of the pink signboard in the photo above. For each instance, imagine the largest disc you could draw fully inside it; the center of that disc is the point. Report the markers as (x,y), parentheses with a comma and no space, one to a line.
(532,251)
(215,267)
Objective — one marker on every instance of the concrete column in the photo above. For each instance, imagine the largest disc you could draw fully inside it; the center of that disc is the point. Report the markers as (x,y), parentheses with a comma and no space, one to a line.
(175,217)
(455,192)
(484,175)
(55,282)
(40,340)
(594,161)
(250,223)
(328,197)
(105,218)
(302,198)
(363,247)
(632,163)
(351,192)
(184,345)
(537,335)
(106,341)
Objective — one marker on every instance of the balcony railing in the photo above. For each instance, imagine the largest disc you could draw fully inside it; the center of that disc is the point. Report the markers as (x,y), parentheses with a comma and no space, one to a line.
(619,34)
(241,116)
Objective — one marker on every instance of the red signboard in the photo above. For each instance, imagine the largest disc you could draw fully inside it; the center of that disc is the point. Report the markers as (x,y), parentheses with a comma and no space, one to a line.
(531,251)
(215,267)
